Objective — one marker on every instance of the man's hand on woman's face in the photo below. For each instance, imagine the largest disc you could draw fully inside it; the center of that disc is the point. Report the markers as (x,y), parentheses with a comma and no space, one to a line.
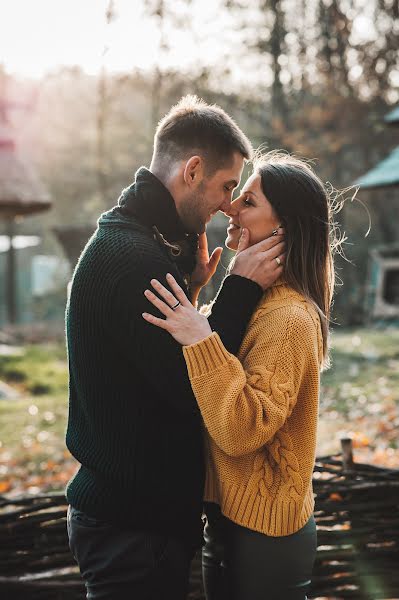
(206,266)
(182,320)
(263,262)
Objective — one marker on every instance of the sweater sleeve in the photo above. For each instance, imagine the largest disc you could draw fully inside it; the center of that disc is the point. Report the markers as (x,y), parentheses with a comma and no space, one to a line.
(244,405)
(232,310)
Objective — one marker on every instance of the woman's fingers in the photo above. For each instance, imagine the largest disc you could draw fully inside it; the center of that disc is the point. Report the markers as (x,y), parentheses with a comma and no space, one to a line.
(169,298)
(267,243)
(277,250)
(177,290)
(164,308)
(162,323)
(279,231)
(243,242)
(280,259)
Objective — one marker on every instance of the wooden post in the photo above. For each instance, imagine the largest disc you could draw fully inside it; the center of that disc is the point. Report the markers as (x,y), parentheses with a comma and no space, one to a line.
(347,454)
(11,295)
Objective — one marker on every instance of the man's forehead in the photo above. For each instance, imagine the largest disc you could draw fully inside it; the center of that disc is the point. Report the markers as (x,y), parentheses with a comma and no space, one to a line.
(233,172)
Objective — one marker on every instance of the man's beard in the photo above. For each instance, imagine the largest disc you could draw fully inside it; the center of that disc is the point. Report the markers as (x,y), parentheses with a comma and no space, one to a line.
(191,211)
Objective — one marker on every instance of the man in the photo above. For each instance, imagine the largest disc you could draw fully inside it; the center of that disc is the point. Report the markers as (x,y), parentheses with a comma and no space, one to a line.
(134,520)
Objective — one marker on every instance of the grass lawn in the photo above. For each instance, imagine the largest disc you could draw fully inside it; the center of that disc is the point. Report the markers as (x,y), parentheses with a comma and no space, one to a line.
(359,397)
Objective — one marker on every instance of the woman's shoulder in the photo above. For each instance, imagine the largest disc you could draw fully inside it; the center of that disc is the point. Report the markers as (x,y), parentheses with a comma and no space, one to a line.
(283,306)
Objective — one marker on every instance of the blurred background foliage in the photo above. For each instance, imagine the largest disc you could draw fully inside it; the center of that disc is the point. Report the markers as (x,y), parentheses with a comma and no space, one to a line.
(319,77)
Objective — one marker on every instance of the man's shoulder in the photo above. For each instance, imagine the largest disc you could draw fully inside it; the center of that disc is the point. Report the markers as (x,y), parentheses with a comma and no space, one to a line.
(118,252)
(124,241)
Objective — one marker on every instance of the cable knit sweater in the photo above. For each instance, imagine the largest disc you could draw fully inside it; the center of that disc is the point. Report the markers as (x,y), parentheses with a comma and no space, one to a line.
(134,424)
(260,411)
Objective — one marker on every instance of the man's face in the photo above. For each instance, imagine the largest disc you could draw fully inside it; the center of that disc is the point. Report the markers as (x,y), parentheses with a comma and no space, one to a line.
(212,194)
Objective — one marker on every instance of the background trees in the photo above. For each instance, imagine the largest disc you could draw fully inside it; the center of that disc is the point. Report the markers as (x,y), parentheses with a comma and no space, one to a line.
(312,76)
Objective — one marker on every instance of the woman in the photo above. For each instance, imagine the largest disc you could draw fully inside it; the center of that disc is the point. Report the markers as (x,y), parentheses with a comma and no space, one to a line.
(260,408)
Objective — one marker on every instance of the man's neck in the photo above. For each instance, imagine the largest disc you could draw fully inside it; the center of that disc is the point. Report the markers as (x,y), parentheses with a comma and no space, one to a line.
(167,179)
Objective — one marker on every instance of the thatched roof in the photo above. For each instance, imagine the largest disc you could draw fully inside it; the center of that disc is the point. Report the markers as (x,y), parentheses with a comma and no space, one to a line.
(384,174)
(392,117)
(21,192)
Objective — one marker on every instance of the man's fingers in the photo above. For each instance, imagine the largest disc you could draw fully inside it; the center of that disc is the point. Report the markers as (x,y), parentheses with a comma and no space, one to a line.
(215,258)
(203,242)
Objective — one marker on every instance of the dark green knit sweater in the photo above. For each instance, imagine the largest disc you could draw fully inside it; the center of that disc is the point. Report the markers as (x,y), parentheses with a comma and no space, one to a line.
(134,424)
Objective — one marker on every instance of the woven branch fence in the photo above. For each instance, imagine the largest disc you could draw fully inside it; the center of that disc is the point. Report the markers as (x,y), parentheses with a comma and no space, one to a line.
(357,516)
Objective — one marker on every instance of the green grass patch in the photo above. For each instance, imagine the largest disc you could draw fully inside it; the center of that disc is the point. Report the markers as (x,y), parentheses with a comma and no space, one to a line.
(359,395)
(38,371)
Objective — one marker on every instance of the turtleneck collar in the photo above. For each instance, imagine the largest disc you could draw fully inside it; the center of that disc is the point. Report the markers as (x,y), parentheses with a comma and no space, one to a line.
(151,203)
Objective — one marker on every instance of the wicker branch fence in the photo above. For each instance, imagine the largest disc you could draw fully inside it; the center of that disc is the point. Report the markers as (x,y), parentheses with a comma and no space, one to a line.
(357,515)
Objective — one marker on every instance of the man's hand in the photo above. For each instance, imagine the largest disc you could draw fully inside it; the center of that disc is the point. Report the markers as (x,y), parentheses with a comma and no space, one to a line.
(205,267)
(263,262)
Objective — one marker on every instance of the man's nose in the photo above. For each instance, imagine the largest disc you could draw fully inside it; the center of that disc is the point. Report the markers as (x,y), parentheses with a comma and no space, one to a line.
(225,207)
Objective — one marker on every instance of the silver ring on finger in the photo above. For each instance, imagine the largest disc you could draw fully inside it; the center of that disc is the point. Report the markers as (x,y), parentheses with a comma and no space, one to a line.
(175,306)
(278,261)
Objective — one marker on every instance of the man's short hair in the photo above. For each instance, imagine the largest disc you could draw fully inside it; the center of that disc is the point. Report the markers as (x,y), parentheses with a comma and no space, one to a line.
(194,127)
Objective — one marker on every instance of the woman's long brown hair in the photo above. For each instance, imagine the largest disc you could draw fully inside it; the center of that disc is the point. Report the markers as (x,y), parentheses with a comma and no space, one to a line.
(302,203)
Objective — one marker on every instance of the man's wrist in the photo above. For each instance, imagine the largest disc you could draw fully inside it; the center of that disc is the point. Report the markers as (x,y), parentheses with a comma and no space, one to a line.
(194,292)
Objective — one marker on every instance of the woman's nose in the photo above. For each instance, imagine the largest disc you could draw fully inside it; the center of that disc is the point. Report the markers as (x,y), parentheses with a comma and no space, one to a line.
(232,208)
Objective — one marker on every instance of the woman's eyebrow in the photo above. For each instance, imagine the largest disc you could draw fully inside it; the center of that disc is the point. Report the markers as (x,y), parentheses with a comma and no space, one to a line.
(248,192)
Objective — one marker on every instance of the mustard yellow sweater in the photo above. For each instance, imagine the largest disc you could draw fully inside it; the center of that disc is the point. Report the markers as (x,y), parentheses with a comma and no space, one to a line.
(260,412)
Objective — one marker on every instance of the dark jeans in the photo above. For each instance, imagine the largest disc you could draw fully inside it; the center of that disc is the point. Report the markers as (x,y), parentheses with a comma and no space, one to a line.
(120,564)
(240,564)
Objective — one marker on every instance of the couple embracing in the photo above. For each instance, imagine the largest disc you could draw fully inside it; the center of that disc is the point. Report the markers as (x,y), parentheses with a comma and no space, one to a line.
(178,414)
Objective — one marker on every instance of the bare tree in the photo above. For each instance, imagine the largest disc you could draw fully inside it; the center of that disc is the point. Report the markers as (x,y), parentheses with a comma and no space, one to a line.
(102,115)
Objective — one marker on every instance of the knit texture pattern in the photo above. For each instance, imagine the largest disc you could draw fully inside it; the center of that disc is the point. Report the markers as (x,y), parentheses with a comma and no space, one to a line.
(260,411)
(134,424)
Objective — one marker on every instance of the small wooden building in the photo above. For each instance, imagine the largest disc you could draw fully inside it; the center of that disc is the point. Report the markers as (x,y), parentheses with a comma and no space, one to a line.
(21,194)
(382,297)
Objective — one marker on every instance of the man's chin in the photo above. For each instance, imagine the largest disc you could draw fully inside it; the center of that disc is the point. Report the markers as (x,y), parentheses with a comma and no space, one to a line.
(196,227)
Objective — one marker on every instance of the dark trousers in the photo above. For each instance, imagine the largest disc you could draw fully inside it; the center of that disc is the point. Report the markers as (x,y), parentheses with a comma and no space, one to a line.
(117,563)
(240,564)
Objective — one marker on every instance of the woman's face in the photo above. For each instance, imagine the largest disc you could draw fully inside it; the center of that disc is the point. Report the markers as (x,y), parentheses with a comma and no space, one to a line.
(253,211)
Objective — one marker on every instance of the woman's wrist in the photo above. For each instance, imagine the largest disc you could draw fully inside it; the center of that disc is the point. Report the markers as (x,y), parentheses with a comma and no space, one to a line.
(201,333)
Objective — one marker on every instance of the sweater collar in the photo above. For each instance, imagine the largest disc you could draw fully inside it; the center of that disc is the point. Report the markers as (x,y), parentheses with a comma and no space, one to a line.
(151,203)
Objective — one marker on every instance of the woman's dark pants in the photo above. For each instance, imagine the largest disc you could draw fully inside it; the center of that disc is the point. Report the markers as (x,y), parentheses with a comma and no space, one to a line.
(240,564)
(119,564)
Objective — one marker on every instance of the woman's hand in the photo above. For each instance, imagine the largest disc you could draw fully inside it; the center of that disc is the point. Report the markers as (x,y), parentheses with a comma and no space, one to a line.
(182,321)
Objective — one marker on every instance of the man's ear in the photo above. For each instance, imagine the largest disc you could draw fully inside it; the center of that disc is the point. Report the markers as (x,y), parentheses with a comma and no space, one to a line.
(193,171)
